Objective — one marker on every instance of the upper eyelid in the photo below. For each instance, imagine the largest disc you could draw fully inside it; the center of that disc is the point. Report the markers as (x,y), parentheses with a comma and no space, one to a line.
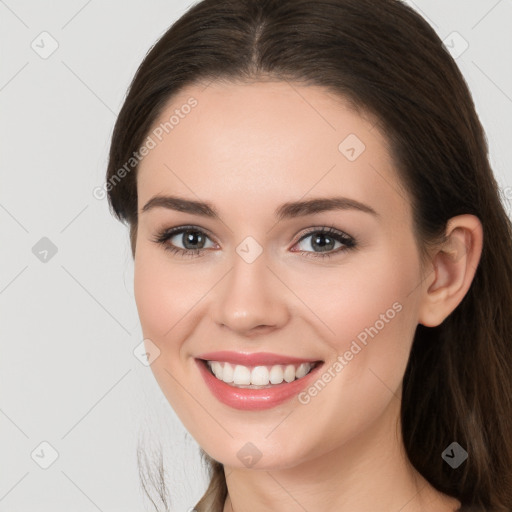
(169,233)
(324,229)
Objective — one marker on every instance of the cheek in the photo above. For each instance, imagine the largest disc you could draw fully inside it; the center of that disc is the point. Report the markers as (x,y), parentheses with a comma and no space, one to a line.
(162,303)
(149,294)
(370,312)
(164,293)
(373,318)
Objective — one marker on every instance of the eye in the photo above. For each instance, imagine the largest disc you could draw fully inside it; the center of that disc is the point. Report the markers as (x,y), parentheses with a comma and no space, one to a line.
(193,240)
(324,241)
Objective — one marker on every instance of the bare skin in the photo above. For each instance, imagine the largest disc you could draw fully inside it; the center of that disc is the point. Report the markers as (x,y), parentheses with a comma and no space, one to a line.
(247,149)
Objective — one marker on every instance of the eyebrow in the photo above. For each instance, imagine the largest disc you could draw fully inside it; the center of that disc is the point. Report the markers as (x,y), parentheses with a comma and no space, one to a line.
(287,210)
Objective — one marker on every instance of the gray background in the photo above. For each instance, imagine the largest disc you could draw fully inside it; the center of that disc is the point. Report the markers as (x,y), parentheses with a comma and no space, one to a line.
(69,326)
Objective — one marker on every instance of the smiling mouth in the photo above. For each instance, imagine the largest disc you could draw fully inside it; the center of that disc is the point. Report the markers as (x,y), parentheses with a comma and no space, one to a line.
(258,377)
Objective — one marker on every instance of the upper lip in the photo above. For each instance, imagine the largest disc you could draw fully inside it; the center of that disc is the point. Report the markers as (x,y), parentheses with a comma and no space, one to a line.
(253,359)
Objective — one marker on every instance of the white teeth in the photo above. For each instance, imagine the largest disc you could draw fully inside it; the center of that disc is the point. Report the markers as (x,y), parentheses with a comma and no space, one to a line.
(259,376)
(289,373)
(227,372)
(217,369)
(241,375)
(302,370)
(245,376)
(276,374)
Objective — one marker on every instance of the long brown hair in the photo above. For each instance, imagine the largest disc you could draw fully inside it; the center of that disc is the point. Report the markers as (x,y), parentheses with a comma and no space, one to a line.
(384,58)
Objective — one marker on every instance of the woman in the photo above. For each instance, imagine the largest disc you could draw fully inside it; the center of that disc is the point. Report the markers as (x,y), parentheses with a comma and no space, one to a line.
(322,260)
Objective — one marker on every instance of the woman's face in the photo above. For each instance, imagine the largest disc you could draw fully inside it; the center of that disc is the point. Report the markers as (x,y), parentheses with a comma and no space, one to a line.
(266,278)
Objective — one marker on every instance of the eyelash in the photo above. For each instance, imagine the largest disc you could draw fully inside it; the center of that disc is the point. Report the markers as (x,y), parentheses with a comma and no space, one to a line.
(163,237)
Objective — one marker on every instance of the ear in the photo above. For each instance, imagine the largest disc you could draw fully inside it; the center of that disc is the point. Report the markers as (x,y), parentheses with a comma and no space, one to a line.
(454,264)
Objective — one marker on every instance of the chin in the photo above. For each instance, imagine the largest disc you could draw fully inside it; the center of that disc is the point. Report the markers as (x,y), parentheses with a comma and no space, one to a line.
(258,455)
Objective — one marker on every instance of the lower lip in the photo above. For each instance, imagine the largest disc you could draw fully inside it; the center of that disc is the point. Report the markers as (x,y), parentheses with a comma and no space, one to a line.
(254,399)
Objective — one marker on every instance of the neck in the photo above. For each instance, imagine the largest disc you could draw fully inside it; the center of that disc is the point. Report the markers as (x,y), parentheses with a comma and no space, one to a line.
(369,472)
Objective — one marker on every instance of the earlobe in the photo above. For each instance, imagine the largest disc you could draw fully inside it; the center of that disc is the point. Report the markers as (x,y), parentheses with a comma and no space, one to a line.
(454,264)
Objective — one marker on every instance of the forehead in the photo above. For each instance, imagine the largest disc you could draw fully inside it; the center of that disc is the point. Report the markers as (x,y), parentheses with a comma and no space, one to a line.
(269,142)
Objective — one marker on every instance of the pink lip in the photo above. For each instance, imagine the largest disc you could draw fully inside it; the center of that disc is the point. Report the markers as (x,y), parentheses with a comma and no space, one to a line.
(253,359)
(254,399)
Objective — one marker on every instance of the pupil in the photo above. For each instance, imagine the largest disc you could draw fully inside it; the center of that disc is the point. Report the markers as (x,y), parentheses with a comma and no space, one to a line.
(190,237)
(323,245)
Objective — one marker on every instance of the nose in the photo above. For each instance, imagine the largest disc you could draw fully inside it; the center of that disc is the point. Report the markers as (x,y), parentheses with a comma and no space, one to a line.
(251,299)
